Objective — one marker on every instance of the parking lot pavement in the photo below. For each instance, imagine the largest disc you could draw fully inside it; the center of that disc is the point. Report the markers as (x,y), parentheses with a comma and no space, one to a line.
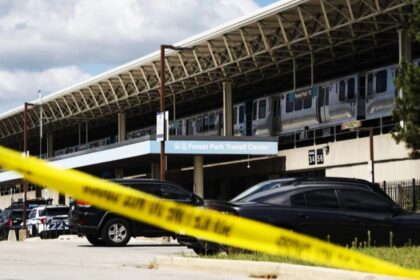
(74,258)
(71,257)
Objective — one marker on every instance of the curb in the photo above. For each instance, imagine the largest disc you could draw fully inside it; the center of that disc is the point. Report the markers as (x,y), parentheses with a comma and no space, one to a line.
(249,268)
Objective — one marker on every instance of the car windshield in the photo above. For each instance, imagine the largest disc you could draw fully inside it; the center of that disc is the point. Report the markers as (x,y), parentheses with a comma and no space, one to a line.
(263,186)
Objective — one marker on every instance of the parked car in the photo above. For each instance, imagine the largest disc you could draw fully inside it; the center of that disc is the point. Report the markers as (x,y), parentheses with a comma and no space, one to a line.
(106,228)
(48,221)
(297,181)
(339,212)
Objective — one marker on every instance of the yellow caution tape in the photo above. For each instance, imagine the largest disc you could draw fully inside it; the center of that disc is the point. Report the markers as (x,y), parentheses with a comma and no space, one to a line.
(199,222)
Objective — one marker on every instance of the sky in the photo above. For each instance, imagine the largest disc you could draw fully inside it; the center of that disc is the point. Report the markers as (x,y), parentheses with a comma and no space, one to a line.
(48,45)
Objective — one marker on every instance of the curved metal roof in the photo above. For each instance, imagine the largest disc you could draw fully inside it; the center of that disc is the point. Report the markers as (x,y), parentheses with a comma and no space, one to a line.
(253,48)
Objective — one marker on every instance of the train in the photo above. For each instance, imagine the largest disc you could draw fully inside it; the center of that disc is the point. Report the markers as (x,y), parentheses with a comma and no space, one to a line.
(365,95)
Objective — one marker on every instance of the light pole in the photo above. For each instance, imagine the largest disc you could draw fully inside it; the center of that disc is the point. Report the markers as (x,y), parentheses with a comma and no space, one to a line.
(25,151)
(371,150)
(162,101)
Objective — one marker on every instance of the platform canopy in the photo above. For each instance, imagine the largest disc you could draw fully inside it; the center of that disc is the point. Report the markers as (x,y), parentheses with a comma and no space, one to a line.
(255,52)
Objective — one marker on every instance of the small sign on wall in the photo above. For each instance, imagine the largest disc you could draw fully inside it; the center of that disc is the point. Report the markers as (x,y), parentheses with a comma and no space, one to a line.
(311,157)
(316,158)
(320,156)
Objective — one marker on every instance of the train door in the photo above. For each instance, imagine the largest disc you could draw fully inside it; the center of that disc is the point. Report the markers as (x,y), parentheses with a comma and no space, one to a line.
(361,98)
(323,104)
(276,113)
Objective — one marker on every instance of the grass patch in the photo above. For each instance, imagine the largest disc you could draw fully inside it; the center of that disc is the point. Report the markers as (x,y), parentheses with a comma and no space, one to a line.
(404,256)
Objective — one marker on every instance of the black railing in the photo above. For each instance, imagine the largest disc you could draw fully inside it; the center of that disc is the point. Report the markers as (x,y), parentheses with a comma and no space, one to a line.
(404,193)
(308,137)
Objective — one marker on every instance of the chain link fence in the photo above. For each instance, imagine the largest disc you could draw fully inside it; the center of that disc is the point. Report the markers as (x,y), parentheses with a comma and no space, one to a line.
(404,193)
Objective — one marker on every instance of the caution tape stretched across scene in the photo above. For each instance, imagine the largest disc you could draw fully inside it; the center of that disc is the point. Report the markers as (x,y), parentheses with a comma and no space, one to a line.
(199,222)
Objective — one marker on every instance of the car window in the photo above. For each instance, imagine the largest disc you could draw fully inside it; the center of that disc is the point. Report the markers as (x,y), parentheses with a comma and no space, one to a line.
(57,211)
(174,192)
(322,199)
(149,188)
(32,214)
(364,201)
(298,200)
(260,187)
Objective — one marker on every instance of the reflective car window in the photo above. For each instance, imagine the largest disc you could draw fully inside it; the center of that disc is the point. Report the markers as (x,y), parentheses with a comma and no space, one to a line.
(322,199)
(32,214)
(173,192)
(57,211)
(298,200)
(153,189)
(364,201)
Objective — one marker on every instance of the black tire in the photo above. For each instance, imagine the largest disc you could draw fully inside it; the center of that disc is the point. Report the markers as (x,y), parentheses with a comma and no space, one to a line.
(116,232)
(95,240)
(205,252)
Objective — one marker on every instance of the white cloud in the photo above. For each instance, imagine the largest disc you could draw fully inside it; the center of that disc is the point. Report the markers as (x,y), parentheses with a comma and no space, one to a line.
(42,33)
(46,43)
(19,86)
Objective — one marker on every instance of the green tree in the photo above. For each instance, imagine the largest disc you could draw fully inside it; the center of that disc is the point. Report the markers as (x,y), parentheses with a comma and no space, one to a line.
(407,110)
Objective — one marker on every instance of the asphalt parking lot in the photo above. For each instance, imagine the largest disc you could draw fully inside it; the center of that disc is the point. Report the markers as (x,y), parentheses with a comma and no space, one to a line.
(71,257)
(75,258)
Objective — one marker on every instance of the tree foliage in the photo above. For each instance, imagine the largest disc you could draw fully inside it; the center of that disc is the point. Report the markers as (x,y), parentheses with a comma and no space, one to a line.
(407,110)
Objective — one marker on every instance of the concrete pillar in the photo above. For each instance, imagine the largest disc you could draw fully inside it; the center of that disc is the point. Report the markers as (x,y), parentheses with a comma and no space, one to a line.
(155,170)
(198,176)
(121,127)
(404,49)
(227,108)
(50,145)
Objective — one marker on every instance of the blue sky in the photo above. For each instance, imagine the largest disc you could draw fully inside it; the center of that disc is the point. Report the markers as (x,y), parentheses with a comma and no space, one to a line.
(49,45)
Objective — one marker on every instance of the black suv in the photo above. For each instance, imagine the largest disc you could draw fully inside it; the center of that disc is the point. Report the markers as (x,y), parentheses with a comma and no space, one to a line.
(107,228)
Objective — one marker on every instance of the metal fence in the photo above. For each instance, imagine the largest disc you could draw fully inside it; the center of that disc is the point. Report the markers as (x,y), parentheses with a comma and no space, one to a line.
(404,193)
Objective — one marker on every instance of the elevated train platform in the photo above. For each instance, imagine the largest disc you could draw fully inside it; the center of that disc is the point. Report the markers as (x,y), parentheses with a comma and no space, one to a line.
(247,70)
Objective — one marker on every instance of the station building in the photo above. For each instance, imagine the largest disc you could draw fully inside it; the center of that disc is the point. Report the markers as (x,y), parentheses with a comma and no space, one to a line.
(248,101)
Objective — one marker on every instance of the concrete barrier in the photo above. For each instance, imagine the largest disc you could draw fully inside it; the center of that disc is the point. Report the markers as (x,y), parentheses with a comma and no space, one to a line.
(12,235)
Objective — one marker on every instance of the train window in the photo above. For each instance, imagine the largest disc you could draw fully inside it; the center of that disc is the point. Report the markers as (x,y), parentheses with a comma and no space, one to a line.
(342,90)
(298,103)
(206,122)
(235,115)
(254,110)
(350,88)
(241,114)
(179,128)
(307,101)
(199,124)
(190,127)
(276,106)
(321,96)
(212,120)
(262,107)
(289,103)
(370,84)
(381,81)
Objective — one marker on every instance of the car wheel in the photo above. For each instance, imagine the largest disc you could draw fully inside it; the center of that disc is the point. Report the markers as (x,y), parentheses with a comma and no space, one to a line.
(95,240)
(116,232)
(205,252)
